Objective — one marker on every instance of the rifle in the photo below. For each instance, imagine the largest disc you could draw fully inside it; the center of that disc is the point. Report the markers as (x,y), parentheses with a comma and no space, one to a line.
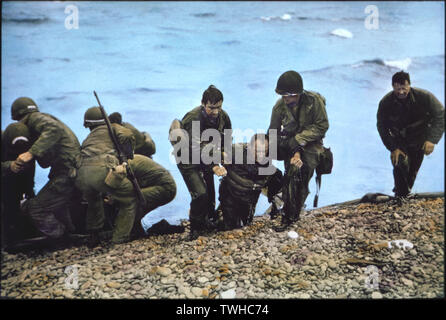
(121,156)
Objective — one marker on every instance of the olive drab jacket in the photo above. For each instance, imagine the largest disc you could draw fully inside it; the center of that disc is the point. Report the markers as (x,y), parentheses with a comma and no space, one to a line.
(222,123)
(420,118)
(304,125)
(98,147)
(143,141)
(244,179)
(54,144)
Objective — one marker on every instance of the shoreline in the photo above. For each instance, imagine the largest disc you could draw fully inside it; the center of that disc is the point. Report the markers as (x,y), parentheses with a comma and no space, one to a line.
(340,249)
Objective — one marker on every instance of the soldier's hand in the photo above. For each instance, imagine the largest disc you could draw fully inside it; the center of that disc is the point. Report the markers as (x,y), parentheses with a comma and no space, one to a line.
(16,167)
(121,168)
(226,158)
(296,160)
(24,158)
(219,171)
(395,155)
(428,147)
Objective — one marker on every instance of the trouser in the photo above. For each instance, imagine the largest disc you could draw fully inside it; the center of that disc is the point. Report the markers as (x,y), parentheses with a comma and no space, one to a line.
(236,211)
(49,209)
(14,224)
(155,196)
(200,184)
(295,187)
(405,172)
(90,181)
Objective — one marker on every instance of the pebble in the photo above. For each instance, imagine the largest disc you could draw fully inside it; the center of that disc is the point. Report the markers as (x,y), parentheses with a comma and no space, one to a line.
(377,295)
(255,263)
(163,271)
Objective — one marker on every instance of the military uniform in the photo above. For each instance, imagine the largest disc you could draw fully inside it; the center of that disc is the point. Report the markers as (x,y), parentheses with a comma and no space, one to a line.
(56,146)
(241,187)
(299,128)
(144,143)
(15,225)
(199,178)
(406,125)
(157,186)
(98,158)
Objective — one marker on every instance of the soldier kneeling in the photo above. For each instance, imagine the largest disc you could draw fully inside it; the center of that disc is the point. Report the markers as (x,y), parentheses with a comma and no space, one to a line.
(241,187)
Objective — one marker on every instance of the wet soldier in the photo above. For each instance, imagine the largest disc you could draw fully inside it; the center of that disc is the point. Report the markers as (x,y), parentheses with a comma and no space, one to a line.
(156,182)
(241,187)
(410,122)
(197,173)
(53,145)
(300,119)
(144,143)
(17,184)
(99,156)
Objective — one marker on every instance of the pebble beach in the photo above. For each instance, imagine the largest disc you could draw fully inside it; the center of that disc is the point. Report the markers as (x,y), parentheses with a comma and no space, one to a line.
(341,252)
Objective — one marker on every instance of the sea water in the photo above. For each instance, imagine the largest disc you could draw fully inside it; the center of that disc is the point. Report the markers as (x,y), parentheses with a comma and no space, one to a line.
(151,61)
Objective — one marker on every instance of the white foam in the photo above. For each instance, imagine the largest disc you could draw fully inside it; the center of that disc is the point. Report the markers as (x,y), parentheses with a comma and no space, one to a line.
(286,16)
(343,33)
(399,64)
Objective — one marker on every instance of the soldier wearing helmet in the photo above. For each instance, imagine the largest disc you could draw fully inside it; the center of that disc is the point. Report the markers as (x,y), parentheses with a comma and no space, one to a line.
(96,177)
(300,119)
(144,143)
(17,184)
(53,145)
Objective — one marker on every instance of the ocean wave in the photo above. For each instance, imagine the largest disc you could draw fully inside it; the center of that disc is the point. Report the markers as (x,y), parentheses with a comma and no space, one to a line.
(230,42)
(343,33)
(204,15)
(284,17)
(402,64)
(27,20)
(290,16)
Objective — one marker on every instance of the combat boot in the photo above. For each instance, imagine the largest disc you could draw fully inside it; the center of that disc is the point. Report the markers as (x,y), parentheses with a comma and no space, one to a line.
(94,239)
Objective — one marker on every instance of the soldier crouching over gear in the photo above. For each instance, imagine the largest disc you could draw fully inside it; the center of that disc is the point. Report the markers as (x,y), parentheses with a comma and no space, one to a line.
(99,156)
(301,122)
(240,188)
(17,183)
(156,182)
(53,145)
(410,122)
(144,143)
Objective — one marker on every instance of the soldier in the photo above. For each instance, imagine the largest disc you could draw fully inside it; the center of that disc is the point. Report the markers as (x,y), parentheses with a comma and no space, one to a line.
(241,187)
(157,186)
(53,145)
(199,177)
(99,156)
(144,143)
(300,119)
(410,122)
(17,184)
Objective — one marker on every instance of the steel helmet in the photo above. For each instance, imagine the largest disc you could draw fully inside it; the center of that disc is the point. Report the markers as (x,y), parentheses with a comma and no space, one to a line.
(289,82)
(22,106)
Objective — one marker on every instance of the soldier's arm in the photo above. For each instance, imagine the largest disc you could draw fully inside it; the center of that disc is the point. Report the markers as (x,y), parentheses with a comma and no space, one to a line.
(317,129)
(124,136)
(389,142)
(275,122)
(436,129)
(49,131)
